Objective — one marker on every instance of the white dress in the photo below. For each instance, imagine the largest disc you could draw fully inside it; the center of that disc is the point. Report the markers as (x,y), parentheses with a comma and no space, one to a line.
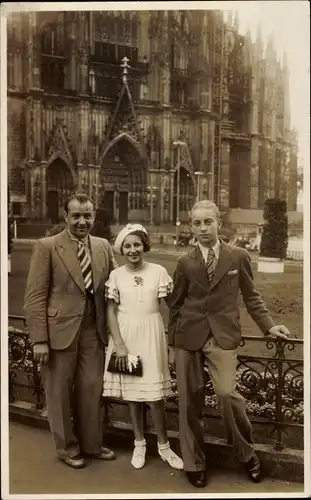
(137,294)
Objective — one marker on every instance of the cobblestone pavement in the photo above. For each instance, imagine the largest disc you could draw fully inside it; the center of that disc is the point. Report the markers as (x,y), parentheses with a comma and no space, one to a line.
(35,470)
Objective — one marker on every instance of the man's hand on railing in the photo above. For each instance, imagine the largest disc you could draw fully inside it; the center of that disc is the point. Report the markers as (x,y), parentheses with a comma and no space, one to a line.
(279,332)
(41,353)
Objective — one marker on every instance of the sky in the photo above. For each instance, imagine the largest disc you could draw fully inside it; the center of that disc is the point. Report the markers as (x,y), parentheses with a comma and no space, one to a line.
(288,21)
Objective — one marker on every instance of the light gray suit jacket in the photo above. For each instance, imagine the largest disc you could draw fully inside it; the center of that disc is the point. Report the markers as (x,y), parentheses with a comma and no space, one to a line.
(55,292)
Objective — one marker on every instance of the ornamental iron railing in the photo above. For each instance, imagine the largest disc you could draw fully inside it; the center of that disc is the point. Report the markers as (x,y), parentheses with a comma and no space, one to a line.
(271,381)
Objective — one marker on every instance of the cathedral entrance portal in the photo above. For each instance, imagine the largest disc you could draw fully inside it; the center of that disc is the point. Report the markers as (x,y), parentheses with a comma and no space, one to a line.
(60,185)
(122,180)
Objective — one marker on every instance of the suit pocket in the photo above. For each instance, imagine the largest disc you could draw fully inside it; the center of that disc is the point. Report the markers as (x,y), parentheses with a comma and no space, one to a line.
(52,312)
(231,281)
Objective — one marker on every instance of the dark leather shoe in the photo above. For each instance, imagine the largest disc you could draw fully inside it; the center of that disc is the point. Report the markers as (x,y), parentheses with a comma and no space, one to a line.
(253,469)
(104,454)
(76,462)
(198,479)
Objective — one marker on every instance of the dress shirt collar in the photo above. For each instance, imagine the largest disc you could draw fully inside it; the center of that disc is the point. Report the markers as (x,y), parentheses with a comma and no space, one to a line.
(205,250)
(85,240)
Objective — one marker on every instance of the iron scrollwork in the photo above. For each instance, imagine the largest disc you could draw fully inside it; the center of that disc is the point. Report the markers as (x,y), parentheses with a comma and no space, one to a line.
(272,383)
(24,373)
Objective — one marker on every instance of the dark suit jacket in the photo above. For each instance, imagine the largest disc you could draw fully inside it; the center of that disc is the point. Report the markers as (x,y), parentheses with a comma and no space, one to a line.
(55,292)
(196,307)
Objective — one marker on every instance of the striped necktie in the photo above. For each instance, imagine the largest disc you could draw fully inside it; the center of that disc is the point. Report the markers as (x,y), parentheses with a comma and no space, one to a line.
(210,264)
(86,267)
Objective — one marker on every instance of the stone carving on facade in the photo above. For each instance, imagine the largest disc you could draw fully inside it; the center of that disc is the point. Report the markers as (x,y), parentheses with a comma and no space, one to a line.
(79,147)
(102,25)
(154,146)
(185,159)
(59,144)
(167,164)
(156,25)
(180,26)
(185,155)
(120,27)
(124,119)
(93,144)
(31,150)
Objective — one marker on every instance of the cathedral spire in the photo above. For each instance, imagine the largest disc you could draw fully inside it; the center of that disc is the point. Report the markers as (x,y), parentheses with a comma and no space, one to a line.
(125,67)
(259,42)
(236,20)
(230,19)
(248,35)
(270,50)
(248,47)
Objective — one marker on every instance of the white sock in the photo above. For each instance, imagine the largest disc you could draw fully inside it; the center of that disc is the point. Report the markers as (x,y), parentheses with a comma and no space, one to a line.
(140,443)
(139,453)
(164,446)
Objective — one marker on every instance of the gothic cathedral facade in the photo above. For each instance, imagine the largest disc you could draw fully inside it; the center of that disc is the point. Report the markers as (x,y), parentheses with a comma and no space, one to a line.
(145,112)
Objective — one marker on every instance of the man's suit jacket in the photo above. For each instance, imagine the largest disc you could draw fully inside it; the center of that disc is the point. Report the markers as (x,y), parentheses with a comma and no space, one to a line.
(196,307)
(55,293)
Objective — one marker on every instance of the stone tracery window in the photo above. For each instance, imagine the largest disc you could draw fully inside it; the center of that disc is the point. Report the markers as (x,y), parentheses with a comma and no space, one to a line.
(120,34)
(52,50)
(180,57)
(113,37)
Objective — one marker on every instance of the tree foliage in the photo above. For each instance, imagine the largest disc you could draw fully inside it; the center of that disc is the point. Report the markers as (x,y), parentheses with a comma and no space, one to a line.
(274,238)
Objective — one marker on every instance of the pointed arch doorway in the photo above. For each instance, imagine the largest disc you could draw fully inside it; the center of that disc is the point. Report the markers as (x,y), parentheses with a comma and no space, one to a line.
(123,181)
(60,184)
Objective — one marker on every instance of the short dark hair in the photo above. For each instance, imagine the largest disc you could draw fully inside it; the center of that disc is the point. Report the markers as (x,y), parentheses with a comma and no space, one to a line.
(144,239)
(80,197)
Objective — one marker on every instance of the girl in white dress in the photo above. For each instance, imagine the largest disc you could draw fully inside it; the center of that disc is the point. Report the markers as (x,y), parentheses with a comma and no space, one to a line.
(134,292)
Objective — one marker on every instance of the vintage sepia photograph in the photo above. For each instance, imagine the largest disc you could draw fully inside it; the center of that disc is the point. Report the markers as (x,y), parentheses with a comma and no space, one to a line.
(155,162)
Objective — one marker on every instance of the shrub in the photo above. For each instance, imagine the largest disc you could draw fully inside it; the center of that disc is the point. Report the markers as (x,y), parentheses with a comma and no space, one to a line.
(102,223)
(274,237)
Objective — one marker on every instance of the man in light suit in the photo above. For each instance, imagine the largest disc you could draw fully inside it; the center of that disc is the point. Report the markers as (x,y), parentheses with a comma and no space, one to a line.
(66,317)
(204,324)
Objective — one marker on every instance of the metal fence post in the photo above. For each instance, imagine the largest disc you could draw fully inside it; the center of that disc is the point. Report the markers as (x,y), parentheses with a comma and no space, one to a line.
(279,385)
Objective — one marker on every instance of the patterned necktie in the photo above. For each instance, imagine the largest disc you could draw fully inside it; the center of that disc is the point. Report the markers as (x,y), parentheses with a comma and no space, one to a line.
(210,264)
(86,267)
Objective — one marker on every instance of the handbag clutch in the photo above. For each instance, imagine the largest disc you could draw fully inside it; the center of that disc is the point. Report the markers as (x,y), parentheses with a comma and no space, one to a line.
(134,366)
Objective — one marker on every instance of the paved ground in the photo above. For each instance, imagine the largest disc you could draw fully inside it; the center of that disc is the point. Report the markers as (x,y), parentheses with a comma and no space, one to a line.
(35,470)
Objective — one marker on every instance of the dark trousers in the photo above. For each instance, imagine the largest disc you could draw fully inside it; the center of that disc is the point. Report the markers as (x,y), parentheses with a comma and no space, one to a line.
(191,393)
(73,381)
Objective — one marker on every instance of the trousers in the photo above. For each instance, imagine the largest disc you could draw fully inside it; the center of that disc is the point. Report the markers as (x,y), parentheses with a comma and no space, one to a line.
(73,380)
(222,365)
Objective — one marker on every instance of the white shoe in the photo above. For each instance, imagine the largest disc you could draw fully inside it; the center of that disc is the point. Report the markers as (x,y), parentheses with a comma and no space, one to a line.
(169,456)
(139,454)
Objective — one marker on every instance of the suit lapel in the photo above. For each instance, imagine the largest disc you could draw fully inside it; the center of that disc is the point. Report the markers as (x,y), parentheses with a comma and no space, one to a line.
(223,264)
(98,261)
(200,270)
(68,256)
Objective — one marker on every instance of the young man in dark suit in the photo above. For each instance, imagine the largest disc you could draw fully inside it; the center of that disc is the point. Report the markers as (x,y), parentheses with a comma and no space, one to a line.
(204,325)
